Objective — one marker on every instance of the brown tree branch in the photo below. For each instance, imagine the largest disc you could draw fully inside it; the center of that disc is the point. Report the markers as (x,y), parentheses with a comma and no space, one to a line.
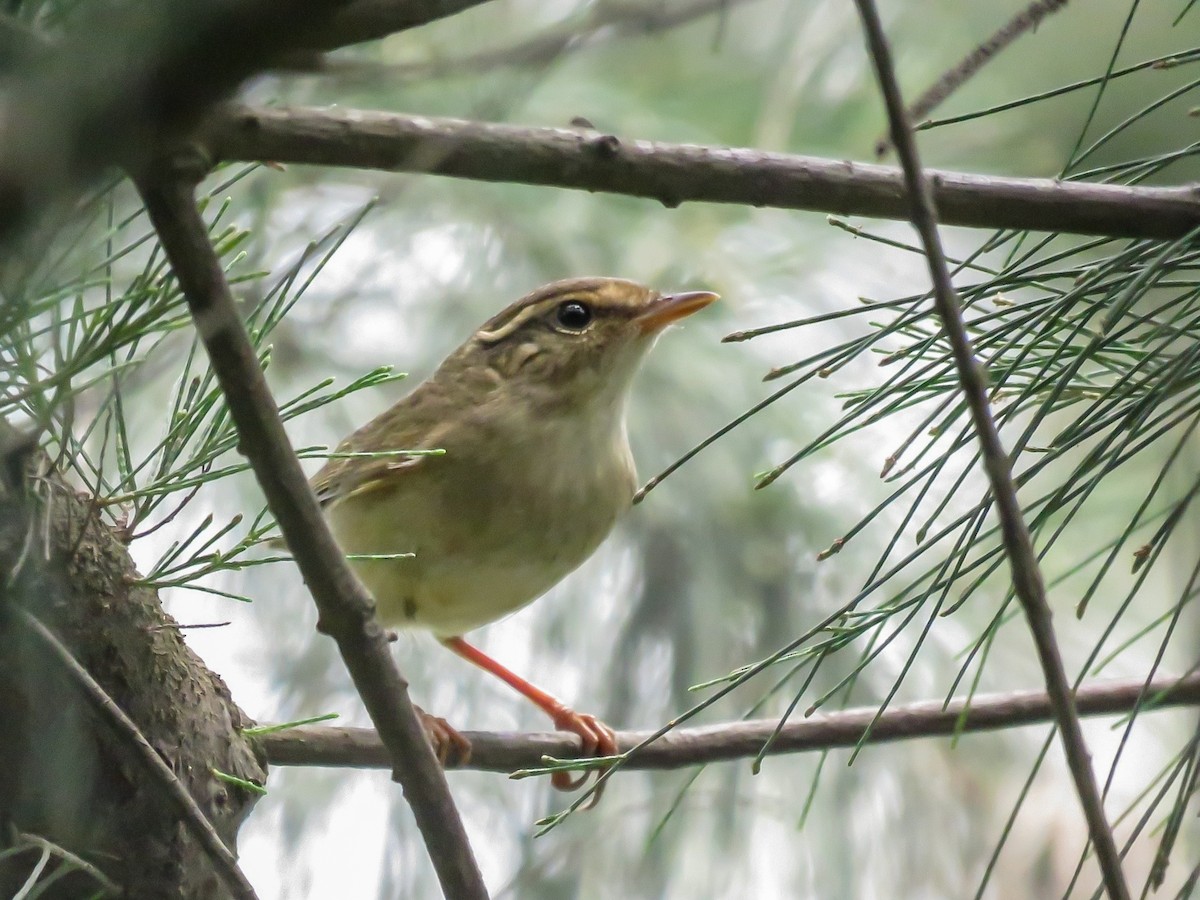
(1018,545)
(314,745)
(369,20)
(676,173)
(347,612)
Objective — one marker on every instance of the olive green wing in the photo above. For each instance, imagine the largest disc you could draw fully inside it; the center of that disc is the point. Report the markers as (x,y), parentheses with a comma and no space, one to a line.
(351,476)
(374,458)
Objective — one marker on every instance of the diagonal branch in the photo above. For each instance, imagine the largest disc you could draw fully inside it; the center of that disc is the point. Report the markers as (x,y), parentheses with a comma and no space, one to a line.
(347,612)
(314,745)
(588,160)
(1027,577)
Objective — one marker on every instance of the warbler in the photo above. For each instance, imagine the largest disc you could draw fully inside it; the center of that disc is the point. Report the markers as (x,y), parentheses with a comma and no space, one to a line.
(534,470)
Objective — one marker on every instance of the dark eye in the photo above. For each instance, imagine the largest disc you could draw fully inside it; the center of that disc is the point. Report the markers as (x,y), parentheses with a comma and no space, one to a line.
(573,315)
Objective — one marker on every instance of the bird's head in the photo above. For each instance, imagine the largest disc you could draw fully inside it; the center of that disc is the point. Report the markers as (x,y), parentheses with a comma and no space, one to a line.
(574,342)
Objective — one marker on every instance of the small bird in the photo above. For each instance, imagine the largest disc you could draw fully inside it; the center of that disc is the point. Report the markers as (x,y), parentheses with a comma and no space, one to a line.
(533,470)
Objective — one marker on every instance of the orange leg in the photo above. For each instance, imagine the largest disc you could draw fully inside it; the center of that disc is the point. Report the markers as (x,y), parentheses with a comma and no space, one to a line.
(598,739)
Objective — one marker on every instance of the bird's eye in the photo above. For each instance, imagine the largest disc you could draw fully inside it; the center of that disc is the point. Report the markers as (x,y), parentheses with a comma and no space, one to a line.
(573,315)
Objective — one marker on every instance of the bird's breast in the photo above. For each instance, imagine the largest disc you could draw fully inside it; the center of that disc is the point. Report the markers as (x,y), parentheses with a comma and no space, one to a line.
(491,527)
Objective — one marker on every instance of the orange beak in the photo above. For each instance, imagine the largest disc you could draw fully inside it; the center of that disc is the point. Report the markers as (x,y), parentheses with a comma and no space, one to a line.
(671,308)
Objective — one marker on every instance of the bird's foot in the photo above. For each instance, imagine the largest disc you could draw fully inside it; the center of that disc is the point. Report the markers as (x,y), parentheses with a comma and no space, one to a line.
(597,740)
(450,747)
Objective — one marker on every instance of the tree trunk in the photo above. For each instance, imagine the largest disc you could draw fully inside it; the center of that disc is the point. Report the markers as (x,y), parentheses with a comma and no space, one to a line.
(66,775)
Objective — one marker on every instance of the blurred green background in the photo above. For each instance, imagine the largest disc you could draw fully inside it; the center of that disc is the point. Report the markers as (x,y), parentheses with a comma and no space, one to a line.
(707,574)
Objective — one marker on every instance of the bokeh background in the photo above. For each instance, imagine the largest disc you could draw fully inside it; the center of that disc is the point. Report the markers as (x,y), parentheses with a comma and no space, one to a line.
(708,574)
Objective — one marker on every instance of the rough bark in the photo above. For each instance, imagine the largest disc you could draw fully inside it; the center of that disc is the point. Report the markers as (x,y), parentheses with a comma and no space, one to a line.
(66,776)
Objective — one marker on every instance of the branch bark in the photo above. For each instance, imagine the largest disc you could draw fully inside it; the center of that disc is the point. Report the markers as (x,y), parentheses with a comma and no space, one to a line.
(672,174)
(314,745)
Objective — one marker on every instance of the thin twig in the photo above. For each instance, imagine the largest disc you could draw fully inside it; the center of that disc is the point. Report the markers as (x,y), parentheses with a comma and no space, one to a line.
(1027,577)
(35,875)
(108,887)
(677,173)
(160,773)
(347,612)
(1025,21)
(318,745)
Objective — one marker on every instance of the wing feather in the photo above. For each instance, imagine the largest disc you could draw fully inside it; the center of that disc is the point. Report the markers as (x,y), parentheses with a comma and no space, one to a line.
(405,426)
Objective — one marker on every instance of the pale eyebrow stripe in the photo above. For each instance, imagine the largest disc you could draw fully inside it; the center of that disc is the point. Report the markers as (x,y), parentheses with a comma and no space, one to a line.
(520,318)
(536,308)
